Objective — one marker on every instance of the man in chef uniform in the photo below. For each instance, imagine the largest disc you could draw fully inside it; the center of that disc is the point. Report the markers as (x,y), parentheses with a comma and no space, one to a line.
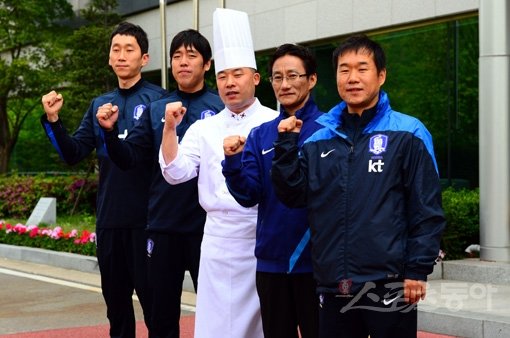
(227,301)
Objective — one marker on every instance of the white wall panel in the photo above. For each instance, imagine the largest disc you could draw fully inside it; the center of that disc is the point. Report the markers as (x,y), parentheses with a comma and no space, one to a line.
(276,22)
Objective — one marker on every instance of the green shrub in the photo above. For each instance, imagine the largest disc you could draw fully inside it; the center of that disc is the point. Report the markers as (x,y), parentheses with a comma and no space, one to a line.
(19,194)
(461,209)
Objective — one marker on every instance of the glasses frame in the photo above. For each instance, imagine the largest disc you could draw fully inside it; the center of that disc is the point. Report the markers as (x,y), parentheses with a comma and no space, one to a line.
(291,78)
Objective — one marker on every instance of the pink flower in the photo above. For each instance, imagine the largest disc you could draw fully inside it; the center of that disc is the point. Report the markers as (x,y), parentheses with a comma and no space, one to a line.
(20,228)
(34,232)
(57,233)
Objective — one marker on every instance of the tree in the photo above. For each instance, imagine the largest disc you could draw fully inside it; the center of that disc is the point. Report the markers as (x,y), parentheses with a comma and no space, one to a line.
(87,69)
(83,74)
(29,32)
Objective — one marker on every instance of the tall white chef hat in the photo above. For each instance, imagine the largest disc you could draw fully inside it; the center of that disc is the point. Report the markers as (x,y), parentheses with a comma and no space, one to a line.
(233,45)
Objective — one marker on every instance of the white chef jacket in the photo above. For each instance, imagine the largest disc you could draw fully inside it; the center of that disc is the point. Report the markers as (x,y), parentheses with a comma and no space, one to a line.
(227,300)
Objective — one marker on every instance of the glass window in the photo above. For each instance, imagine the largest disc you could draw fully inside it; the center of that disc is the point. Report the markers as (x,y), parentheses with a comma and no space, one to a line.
(432,74)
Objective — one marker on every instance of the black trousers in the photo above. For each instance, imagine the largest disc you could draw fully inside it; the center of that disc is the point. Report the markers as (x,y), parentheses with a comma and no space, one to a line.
(169,256)
(377,310)
(288,301)
(123,266)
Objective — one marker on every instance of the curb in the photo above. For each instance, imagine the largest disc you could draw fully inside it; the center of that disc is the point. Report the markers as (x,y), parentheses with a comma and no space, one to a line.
(64,260)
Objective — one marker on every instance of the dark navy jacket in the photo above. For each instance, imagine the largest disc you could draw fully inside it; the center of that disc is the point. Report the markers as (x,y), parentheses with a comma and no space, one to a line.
(122,195)
(282,244)
(374,202)
(172,208)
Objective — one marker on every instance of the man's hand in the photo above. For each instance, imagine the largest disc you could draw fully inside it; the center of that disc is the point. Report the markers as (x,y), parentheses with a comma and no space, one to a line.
(290,124)
(414,290)
(233,144)
(174,113)
(52,103)
(107,115)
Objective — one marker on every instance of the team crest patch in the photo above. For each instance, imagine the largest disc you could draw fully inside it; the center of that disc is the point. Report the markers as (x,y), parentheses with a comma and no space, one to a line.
(206,114)
(150,247)
(138,111)
(345,286)
(378,144)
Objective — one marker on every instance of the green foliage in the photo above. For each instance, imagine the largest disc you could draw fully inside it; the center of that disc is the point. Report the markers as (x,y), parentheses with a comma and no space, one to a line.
(20,194)
(86,64)
(74,64)
(27,63)
(461,209)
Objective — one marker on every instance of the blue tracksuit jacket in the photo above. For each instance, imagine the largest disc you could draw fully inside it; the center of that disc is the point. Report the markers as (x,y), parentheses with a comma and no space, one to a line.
(374,201)
(172,208)
(280,229)
(122,195)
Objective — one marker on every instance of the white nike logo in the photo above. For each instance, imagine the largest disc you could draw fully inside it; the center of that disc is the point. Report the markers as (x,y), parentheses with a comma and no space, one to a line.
(323,154)
(265,151)
(123,136)
(388,301)
(163,119)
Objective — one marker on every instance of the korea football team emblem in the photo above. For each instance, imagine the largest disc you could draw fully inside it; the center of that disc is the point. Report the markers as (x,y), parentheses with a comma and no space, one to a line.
(378,144)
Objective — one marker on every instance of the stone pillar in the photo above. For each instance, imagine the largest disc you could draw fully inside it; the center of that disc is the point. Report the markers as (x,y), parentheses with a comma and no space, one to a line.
(494,116)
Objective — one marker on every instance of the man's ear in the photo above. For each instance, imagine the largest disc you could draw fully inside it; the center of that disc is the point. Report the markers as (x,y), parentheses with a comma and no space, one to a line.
(207,65)
(145,59)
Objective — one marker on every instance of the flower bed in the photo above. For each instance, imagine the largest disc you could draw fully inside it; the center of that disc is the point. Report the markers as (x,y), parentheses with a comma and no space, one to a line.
(46,238)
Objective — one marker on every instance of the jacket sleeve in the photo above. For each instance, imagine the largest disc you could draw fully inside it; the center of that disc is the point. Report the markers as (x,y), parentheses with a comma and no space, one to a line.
(425,213)
(288,171)
(243,174)
(72,149)
(135,149)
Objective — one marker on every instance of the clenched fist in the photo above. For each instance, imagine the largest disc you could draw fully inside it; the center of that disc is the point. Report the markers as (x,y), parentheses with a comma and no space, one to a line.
(290,124)
(233,144)
(107,115)
(52,103)
(174,113)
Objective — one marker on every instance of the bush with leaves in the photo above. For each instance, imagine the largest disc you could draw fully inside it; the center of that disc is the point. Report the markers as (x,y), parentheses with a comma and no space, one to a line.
(461,208)
(19,194)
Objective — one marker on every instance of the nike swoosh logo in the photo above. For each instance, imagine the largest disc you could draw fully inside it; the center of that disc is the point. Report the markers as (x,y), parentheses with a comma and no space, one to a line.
(123,136)
(163,119)
(388,301)
(323,154)
(265,151)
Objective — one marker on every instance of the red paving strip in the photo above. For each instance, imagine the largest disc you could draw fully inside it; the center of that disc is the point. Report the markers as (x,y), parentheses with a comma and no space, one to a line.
(187,331)
(432,335)
(100,331)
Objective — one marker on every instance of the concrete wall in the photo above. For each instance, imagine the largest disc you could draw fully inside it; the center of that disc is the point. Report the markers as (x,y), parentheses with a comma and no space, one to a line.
(299,21)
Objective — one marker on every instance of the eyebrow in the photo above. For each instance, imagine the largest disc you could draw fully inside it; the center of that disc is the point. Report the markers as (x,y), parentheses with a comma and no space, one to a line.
(359,63)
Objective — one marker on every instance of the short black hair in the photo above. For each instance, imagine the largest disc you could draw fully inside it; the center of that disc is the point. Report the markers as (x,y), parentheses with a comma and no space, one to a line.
(127,28)
(192,38)
(304,53)
(357,43)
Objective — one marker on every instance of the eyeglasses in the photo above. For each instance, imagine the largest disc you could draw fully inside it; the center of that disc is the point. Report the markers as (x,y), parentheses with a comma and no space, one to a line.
(292,77)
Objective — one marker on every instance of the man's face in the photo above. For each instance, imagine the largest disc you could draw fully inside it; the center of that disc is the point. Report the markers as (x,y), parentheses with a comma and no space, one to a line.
(237,87)
(358,81)
(291,84)
(126,57)
(188,69)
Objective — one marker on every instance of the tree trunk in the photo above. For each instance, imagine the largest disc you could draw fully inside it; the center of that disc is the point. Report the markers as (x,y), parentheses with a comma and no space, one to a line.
(5,137)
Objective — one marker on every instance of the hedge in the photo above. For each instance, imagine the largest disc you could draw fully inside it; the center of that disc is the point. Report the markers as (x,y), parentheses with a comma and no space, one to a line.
(19,194)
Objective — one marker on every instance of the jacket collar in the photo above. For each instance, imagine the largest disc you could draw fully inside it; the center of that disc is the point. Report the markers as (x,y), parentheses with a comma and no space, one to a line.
(308,111)
(333,120)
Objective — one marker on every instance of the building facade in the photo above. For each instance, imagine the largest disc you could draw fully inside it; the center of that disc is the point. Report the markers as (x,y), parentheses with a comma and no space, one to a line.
(445,60)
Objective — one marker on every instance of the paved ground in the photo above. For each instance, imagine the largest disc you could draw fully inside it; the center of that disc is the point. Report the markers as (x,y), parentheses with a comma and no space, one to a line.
(41,301)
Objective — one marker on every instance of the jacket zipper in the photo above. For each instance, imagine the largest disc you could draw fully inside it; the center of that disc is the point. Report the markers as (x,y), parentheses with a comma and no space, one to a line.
(347,220)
